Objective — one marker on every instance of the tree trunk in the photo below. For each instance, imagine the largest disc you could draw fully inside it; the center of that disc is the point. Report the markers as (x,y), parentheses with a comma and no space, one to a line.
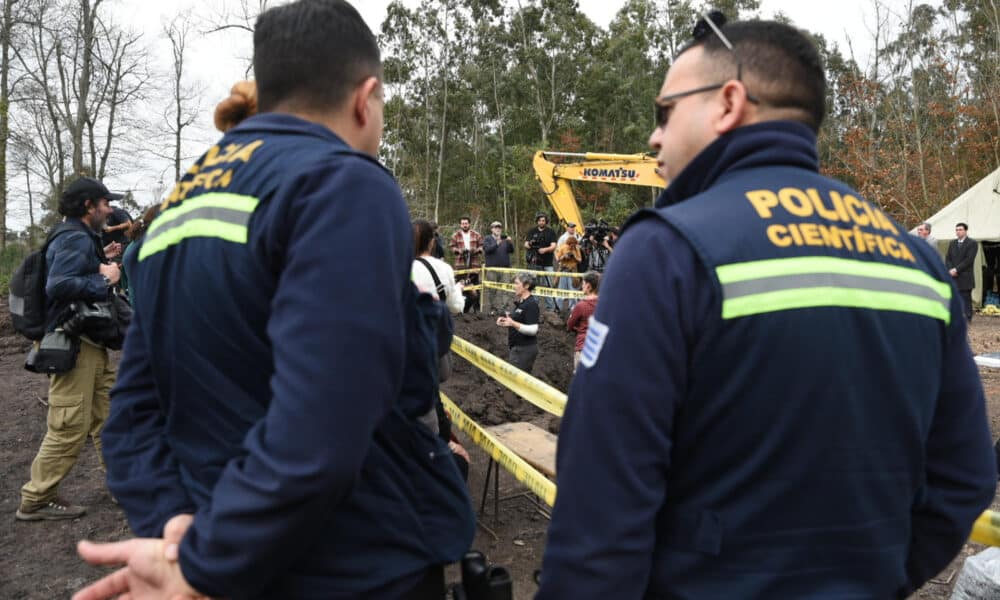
(536,83)
(31,207)
(5,40)
(503,144)
(444,114)
(87,14)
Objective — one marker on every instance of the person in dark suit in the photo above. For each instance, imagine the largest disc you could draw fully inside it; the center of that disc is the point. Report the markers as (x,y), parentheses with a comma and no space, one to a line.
(959,260)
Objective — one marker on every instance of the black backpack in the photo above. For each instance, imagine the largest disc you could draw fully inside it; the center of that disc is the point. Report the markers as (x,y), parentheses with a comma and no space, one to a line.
(27,290)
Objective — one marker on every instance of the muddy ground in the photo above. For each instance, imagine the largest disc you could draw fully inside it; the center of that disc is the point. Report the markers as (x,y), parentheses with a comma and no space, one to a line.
(37,560)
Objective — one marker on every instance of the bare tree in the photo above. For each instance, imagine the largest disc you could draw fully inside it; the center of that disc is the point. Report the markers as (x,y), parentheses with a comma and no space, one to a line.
(85,75)
(240,18)
(122,76)
(185,102)
(8,21)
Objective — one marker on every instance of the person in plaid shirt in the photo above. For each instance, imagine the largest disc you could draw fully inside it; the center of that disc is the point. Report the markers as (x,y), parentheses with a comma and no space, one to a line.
(467,246)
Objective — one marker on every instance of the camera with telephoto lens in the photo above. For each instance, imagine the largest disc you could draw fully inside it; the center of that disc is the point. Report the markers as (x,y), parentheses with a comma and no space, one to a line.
(87,317)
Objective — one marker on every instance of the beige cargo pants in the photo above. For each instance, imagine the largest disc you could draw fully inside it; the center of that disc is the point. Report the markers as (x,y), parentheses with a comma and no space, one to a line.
(78,406)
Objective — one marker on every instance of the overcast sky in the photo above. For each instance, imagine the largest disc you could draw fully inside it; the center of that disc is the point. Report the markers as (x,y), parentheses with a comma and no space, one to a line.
(218,60)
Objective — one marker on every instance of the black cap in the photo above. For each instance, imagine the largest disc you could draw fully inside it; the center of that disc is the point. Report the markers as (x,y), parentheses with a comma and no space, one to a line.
(89,188)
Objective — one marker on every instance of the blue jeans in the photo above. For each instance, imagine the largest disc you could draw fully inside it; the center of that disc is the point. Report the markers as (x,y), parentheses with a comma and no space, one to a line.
(550,303)
(566,283)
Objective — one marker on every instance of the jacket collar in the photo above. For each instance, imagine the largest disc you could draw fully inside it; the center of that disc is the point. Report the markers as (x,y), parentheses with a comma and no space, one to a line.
(286,123)
(771,144)
(77,223)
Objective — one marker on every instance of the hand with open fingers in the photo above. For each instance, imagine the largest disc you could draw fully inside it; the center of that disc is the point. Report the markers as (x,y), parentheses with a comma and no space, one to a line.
(112,250)
(147,575)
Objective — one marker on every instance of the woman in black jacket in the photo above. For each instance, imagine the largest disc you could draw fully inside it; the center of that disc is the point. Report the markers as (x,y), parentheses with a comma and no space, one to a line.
(522,335)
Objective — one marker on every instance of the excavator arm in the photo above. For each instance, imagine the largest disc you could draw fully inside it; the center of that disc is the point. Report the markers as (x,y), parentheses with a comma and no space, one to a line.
(623,169)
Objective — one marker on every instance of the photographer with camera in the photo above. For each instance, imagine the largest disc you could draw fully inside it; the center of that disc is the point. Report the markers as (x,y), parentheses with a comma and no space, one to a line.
(569,256)
(541,246)
(497,248)
(596,245)
(467,246)
(77,271)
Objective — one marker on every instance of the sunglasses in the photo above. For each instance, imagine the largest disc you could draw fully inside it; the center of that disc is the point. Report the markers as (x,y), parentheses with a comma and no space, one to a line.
(711,21)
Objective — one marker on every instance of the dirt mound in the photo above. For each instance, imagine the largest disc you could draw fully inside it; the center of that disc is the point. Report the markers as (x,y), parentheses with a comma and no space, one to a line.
(488,402)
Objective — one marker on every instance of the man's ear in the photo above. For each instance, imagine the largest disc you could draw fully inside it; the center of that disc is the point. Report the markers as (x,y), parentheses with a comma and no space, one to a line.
(362,94)
(736,109)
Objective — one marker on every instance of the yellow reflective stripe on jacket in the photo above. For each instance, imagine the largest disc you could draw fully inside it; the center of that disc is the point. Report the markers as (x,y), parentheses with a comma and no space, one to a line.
(218,215)
(806,282)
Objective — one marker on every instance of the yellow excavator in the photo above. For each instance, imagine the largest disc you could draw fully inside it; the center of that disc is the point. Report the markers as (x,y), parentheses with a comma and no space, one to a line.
(621,169)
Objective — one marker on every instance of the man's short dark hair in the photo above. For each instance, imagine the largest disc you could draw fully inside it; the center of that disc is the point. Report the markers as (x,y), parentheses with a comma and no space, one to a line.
(963,226)
(311,54)
(465,219)
(780,65)
(73,206)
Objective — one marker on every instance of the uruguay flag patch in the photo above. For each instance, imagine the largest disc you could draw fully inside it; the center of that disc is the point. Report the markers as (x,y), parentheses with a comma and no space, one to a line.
(597,332)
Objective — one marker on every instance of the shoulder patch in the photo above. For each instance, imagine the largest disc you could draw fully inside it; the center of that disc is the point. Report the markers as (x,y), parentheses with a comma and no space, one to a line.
(597,332)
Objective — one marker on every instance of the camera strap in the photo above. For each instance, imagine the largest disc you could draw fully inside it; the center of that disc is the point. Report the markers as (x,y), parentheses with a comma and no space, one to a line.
(442,293)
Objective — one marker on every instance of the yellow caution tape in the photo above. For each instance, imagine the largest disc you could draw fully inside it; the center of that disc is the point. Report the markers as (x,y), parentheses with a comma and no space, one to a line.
(475,271)
(539,393)
(545,292)
(539,484)
(534,272)
(986,529)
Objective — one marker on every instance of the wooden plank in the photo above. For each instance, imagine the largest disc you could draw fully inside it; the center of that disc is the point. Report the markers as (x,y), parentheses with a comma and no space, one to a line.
(535,445)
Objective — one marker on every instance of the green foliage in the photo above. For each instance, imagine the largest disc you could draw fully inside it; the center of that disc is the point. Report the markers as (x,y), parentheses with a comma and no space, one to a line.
(475,87)
(10,259)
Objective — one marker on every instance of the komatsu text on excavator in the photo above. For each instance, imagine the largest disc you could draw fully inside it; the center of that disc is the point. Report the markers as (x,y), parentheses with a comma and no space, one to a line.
(622,169)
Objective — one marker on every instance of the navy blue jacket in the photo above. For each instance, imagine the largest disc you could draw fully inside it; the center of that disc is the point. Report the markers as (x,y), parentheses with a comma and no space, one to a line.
(768,414)
(73,261)
(263,374)
(497,251)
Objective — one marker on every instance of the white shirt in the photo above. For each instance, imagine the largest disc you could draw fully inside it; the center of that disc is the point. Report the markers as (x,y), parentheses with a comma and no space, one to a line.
(421,277)
(467,239)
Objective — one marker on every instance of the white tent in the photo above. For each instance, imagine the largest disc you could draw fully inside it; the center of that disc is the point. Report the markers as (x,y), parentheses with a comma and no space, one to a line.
(979,207)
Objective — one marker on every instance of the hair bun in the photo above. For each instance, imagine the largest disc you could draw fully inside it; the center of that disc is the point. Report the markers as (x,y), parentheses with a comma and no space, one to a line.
(241,103)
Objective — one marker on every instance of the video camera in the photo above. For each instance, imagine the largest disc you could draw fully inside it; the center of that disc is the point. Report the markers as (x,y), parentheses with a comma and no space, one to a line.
(599,230)
(535,242)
